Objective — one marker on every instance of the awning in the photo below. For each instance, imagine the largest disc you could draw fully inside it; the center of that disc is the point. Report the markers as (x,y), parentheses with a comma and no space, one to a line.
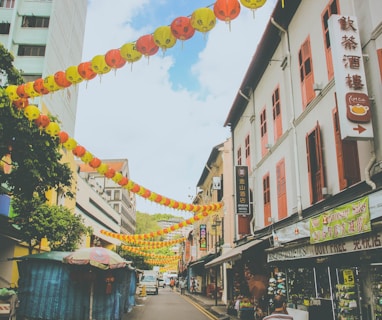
(233,254)
(201,261)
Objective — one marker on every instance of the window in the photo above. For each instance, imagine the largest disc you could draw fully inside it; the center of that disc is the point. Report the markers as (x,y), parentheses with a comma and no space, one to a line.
(247,152)
(267,199)
(315,166)
(379,54)
(348,171)
(35,22)
(33,51)
(4,27)
(281,189)
(117,195)
(306,73)
(277,113)
(332,8)
(239,156)
(263,131)
(7,4)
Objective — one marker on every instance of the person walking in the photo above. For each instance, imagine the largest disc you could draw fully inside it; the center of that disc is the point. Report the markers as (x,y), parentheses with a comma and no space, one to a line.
(280,312)
(182,285)
(172,284)
(193,285)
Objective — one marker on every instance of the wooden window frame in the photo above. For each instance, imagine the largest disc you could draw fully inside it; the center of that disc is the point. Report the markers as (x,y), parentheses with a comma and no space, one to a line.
(281,190)
(306,72)
(239,158)
(267,198)
(248,151)
(263,131)
(276,111)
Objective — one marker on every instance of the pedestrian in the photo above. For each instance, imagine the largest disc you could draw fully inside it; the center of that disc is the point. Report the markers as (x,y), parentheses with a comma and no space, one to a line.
(280,312)
(193,285)
(182,285)
(172,284)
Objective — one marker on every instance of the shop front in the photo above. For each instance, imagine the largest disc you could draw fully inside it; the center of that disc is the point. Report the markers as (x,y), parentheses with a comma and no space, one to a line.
(329,266)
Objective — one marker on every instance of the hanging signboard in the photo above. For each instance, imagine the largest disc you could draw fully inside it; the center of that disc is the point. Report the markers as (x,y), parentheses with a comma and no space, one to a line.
(347,220)
(203,237)
(350,80)
(242,190)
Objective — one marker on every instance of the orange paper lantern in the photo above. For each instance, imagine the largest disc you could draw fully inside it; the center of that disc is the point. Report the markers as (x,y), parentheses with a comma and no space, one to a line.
(20,103)
(226,10)
(63,136)
(61,80)
(21,91)
(39,87)
(86,71)
(79,151)
(146,45)
(182,29)
(114,59)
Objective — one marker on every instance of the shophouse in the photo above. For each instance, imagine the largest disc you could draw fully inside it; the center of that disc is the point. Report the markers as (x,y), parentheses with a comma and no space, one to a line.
(309,111)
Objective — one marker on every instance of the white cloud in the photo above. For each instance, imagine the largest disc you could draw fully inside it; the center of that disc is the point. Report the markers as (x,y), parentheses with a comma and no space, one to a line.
(166,135)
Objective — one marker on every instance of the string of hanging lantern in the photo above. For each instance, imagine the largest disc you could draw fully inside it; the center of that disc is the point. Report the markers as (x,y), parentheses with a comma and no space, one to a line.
(182,28)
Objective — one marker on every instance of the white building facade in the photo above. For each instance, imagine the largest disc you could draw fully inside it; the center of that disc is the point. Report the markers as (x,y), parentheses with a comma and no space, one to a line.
(307,123)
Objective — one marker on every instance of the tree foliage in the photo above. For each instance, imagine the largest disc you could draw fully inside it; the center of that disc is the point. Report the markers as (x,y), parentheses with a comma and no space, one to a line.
(36,160)
(37,220)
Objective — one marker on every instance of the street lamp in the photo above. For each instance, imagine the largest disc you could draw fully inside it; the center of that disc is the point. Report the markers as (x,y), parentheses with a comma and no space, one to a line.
(214,226)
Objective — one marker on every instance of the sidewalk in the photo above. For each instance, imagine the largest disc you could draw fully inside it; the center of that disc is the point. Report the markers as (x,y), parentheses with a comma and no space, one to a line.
(220,311)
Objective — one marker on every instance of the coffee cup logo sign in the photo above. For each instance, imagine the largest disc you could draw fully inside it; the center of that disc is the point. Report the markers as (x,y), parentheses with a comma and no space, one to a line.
(357,106)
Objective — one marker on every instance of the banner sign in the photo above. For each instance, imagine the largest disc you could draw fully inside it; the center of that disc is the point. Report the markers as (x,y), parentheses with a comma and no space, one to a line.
(350,79)
(242,190)
(347,220)
(366,241)
(203,237)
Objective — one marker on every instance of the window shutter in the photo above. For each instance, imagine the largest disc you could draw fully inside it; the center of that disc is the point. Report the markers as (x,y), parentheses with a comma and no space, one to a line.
(281,189)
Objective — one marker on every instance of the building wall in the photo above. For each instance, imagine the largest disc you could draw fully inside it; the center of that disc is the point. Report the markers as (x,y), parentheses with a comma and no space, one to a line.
(298,121)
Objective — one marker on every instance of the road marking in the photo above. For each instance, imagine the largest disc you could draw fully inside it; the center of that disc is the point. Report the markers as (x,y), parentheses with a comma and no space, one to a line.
(200,308)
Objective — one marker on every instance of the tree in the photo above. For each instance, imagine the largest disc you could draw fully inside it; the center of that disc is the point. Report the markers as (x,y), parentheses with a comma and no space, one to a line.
(37,220)
(36,159)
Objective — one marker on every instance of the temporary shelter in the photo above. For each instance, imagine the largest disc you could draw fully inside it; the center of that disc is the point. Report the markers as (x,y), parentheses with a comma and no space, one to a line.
(51,289)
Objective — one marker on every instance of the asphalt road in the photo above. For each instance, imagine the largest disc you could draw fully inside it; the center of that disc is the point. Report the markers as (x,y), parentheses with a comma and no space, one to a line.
(167,305)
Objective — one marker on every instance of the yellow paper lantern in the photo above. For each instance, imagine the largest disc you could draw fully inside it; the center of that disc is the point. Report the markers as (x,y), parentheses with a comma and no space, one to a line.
(102,169)
(87,157)
(164,38)
(52,129)
(31,112)
(73,75)
(130,53)
(70,144)
(11,91)
(51,84)
(99,65)
(253,4)
(30,90)
(203,20)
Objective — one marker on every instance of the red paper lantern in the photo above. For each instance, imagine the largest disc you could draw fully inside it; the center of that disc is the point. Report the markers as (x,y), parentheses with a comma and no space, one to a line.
(114,59)
(39,87)
(85,70)
(146,45)
(158,198)
(21,91)
(110,173)
(226,10)
(61,80)
(20,103)
(79,151)
(42,121)
(63,136)
(95,163)
(136,188)
(182,29)
(124,181)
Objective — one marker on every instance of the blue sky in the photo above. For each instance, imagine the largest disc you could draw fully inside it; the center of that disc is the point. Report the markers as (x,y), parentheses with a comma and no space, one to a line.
(166,113)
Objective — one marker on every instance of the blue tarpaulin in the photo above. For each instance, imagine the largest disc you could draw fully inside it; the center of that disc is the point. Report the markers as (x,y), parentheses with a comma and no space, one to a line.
(51,290)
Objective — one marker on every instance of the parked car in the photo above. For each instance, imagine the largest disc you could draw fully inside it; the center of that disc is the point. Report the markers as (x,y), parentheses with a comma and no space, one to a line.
(150,282)
(162,283)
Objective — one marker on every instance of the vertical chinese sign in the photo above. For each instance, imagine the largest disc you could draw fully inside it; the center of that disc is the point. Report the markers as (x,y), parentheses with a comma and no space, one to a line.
(203,237)
(242,190)
(350,79)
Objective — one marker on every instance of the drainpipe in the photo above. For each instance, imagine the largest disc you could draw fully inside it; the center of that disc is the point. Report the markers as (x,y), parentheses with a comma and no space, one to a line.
(367,172)
(294,132)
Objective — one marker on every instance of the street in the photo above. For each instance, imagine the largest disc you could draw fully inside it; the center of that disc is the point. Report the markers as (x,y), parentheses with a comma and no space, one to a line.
(169,305)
